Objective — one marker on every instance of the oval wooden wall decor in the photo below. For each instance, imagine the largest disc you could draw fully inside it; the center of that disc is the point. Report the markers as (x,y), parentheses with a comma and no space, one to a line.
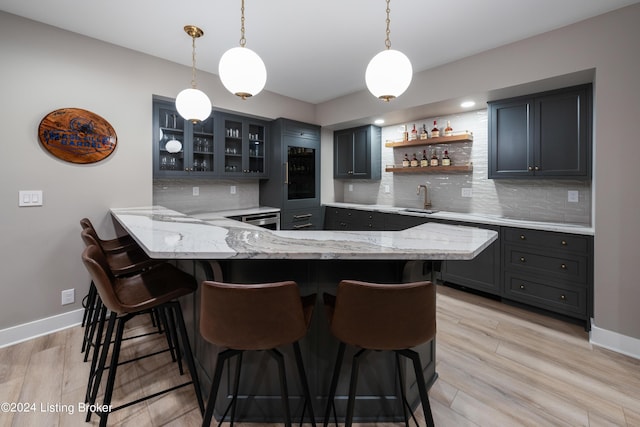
(77,136)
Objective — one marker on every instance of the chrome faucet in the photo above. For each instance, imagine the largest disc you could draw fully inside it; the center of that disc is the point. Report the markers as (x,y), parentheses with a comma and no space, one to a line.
(427,203)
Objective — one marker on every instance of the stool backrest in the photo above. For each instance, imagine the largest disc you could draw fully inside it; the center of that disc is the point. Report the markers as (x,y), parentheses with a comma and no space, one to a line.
(251,317)
(384,316)
(89,237)
(95,262)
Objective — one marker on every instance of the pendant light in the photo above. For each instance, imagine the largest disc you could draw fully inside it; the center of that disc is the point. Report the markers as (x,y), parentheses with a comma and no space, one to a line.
(193,104)
(241,70)
(389,73)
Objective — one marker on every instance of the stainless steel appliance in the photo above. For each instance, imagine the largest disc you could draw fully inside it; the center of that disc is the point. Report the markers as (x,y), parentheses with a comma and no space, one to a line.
(270,220)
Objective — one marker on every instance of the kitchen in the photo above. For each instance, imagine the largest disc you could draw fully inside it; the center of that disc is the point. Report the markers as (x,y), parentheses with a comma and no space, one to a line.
(604,45)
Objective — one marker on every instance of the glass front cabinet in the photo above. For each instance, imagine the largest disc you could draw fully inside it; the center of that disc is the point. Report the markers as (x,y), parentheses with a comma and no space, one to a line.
(224,145)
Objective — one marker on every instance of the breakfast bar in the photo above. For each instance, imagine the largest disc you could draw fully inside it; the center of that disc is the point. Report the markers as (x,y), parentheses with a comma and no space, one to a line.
(317,260)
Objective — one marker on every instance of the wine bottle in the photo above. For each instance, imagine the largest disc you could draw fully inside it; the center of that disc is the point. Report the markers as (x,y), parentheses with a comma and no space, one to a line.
(424,162)
(414,161)
(405,161)
(424,134)
(448,131)
(434,159)
(405,133)
(414,133)
(446,161)
(435,132)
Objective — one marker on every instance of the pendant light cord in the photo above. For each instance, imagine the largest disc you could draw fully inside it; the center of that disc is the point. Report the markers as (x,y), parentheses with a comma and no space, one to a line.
(243,41)
(193,62)
(387,41)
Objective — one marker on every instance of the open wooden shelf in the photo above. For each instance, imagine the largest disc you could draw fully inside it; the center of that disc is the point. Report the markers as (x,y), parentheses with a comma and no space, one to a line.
(463,137)
(431,169)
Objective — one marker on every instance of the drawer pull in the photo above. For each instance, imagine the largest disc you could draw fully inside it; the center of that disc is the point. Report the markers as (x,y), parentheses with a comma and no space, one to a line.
(522,259)
(563,266)
(563,298)
(297,227)
(522,237)
(522,287)
(563,243)
(304,216)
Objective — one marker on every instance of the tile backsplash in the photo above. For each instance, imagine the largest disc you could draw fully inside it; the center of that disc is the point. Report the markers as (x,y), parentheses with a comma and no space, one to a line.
(213,195)
(538,200)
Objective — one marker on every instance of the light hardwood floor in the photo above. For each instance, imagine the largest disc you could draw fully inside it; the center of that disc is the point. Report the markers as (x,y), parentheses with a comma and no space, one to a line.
(498,366)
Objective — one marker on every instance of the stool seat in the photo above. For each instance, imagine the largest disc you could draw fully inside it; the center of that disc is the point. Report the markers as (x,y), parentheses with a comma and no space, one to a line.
(378,317)
(244,317)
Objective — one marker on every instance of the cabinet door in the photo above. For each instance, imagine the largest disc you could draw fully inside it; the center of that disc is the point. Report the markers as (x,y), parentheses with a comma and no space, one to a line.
(511,136)
(561,124)
(356,153)
(343,154)
(243,151)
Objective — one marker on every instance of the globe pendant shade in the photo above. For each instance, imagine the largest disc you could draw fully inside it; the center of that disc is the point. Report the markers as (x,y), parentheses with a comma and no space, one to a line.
(388,74)
(242,72)
(193,105)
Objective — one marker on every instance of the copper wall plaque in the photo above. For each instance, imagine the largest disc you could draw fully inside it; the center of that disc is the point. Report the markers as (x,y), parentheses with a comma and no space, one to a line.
(77,136)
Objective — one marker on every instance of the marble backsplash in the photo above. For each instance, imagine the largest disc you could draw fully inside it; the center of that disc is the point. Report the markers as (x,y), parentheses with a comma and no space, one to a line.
(537,200)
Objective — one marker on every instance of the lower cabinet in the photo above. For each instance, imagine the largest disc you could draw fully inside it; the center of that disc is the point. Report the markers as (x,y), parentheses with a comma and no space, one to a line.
(543,269)
(301,219)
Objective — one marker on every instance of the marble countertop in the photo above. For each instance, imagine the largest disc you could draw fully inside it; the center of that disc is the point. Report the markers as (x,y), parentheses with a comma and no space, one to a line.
(167,234)
(476,218)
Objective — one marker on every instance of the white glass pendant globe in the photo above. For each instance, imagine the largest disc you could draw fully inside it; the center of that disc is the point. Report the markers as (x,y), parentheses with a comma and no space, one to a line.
(193,105)
(173,146)
(242,72)
(388,74)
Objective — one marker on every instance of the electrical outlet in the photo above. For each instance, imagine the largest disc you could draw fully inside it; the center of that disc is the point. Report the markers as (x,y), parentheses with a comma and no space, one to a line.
(232,189)
(573,196)
(196,191)
(467,192)
(68,296)
(350,187)
(387,190)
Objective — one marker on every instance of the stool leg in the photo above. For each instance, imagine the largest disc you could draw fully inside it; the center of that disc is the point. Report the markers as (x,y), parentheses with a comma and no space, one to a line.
(353,385)
(90,329)
(188,354)
(236,388)
(215,384)
(97,375)
(102,317)
(283,386)
(422,388)
(305,383)
(334,385)
(403,395)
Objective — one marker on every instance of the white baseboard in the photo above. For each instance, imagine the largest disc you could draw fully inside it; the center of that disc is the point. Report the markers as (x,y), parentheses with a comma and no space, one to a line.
(614,341)
(27,331)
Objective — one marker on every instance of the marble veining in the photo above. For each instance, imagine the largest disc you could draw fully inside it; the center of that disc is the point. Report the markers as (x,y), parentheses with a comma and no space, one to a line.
(164,233)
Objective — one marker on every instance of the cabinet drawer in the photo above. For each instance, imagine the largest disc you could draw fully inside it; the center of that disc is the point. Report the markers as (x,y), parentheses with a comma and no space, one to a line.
(563,266)
(354,219)
(548,294)
(301,219)
(550,240)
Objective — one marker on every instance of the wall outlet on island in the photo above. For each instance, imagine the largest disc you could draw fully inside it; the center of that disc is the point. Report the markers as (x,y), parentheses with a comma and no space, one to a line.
(196,191)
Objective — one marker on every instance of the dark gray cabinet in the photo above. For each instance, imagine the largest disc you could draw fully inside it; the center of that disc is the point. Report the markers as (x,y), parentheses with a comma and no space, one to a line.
(356,153)
(294,180)
(243,146)
(545,135)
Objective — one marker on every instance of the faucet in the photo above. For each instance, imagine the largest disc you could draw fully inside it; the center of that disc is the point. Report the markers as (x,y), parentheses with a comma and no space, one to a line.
(427,203)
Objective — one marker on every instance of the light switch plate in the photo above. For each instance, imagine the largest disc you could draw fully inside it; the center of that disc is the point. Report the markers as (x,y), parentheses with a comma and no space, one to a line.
(30,198)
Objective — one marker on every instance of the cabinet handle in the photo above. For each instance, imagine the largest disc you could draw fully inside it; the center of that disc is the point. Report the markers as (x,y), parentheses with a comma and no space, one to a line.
(563,297)
(563,243)
(302,216)
(522,287)
(530,168)
(286,172)
(522,237)
(350,173)
(522,259)
(563,266)
(307,225)
(343,224)
(537,168)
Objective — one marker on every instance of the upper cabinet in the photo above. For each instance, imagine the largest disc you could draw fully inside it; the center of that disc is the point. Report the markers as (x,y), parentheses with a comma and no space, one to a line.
(180,148)
(545,135)
(244,146)
(223,146)
(356,153)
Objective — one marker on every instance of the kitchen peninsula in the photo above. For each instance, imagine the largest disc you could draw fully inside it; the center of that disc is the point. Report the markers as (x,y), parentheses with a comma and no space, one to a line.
(317,261)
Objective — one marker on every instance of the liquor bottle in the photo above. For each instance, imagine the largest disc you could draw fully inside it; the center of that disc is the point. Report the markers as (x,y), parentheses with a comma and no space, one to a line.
(414,133)
(405,134)
(435,132)
(424,162)
(405,161)
(448,131)
(434,159)
(414,161)
(424,134)
(446,161)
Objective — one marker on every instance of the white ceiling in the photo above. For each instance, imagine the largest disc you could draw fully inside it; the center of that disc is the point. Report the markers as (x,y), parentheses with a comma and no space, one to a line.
(313,50)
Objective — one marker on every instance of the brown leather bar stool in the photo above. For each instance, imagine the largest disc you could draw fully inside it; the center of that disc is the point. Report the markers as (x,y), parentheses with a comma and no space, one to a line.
(372,316)
(157,288)
(242,317)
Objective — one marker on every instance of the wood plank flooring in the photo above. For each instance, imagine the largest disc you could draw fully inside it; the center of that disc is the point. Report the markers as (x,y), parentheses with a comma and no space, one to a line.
(498,365)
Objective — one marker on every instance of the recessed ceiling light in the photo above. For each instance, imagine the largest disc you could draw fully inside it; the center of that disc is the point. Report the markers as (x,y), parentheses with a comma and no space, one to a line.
(378,121)
(467,104)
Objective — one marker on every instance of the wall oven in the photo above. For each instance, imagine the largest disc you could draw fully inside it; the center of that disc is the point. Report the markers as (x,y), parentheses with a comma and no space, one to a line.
(269,220)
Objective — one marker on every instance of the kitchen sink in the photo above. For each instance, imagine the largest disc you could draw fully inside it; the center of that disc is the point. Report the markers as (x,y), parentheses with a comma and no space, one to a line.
(417,210)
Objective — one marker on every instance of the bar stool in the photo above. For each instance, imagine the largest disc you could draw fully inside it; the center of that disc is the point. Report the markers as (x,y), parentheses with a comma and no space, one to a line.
(371,316)
(157,288)
(242,318)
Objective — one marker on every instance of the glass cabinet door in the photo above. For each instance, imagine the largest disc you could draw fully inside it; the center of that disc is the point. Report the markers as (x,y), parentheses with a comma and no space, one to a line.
(257,149)
(233,146)
(203,147)
(244,148)
(171,134)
